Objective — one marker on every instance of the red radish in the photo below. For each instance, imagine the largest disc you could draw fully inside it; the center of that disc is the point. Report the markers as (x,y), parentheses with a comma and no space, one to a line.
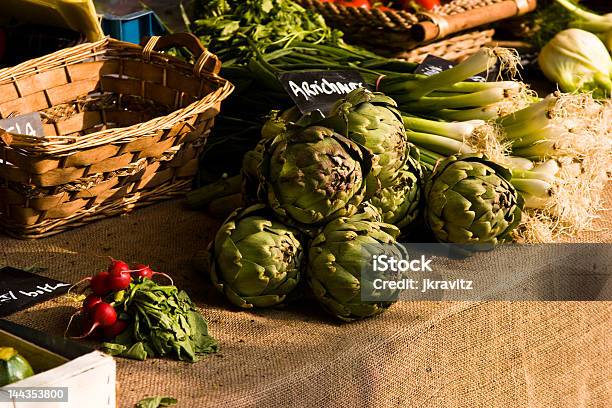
(103,315)
(99,283)
(118,267)
(115,329)
(119,282)
(144,271)
(90,302)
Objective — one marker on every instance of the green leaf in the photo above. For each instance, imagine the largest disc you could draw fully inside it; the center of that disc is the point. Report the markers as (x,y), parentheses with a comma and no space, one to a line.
(136,352)
(156,402)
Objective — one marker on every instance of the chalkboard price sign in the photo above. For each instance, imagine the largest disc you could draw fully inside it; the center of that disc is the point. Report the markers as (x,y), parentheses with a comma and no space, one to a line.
(21,289)
(29,124)
(319,90)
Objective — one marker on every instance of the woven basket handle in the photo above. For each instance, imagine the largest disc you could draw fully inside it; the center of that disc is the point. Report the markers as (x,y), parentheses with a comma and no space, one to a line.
(206,60)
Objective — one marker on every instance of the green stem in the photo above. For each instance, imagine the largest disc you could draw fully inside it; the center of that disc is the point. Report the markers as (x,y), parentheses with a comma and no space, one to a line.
(472,100)
(438,144)
(540,150)
(200,198)
(455,130)
(521,129)
(488,112)
(536,109)
(534,187)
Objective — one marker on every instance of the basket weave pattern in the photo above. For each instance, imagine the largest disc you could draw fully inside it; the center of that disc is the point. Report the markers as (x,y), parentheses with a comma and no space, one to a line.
(356,18)
(123,127)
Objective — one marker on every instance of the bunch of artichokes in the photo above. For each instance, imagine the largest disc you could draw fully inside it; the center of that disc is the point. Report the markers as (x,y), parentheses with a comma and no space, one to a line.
(347,183)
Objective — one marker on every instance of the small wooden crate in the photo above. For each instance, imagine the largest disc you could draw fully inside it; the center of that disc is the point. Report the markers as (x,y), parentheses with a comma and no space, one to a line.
(87,377)
(123,127)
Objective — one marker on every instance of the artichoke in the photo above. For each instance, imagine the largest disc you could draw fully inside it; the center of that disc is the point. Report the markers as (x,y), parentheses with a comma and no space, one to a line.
(337,258)
(372,120)
(313,175)
(255,260)
(469,200)
(399,204)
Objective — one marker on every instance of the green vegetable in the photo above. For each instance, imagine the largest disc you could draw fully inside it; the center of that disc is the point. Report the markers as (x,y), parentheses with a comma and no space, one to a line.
(578,61)
(156,402)
(229,26)
(400,203)
(373,121)
(255,260)
(13,367)
(586,19)
(469,200)
(337,257)
(164,322)
(313,175)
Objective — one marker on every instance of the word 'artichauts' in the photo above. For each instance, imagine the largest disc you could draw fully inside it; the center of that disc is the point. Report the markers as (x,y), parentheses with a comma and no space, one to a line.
(309,90)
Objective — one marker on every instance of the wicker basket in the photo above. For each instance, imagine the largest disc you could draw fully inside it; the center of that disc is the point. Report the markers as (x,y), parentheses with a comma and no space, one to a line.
(124,126)
(401,31)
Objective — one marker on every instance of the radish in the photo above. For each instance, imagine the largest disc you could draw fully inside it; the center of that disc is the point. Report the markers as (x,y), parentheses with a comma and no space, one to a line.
(119,282)
(99,283)
(144,271)
(118,267)
(112,331)
(103,315)
(90,302)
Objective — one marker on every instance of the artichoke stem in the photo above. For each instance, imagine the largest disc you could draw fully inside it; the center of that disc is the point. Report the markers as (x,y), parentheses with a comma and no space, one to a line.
(200,199)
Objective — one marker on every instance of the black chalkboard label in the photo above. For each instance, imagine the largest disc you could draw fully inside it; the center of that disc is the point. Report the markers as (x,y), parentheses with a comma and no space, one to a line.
(21,289)
(29,124)
(319,90)
(432,65)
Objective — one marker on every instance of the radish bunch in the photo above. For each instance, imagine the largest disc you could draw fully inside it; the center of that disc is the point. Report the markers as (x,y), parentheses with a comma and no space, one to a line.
(98,311)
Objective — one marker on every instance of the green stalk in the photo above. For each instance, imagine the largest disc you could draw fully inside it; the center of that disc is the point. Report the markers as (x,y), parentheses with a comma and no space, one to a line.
(519,163)
(488,112)
(528,127)
(472,100)
(533,187)
(582,13)
(550,133)
(540,150)
(469,87)
(475,64)
(438,144)
(202,197)
(455,130)
(596,27)
(534,110)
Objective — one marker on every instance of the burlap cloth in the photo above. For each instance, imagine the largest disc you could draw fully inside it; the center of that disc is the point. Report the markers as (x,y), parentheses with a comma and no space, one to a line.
(425,354)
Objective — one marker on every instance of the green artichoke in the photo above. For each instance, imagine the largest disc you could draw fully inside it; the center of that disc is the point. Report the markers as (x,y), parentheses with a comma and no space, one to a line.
(399,204)
(313,175)
(256,260)
(337,258)
(372,120)
(469,200)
